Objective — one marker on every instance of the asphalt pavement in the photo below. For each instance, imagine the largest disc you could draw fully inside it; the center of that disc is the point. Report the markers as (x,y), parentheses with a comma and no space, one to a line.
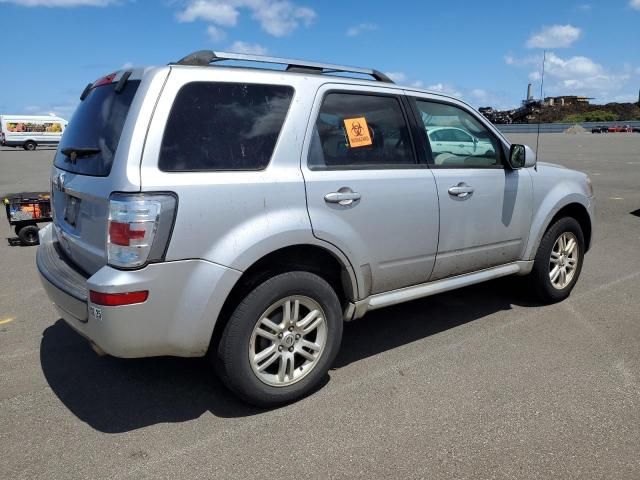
(477,383)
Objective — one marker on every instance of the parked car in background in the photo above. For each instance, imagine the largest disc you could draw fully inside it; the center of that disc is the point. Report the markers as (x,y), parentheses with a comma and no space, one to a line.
(458,142)
(600,129)
(250,230)
(29,131)
(616,129)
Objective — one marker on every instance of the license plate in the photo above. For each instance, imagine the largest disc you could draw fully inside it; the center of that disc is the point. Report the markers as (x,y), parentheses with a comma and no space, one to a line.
(71,210)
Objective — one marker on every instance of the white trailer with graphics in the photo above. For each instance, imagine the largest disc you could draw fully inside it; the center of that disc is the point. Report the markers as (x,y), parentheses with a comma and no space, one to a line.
(29,131)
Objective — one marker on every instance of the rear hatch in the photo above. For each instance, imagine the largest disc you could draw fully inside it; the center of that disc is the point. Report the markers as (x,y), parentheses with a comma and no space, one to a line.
(97,156)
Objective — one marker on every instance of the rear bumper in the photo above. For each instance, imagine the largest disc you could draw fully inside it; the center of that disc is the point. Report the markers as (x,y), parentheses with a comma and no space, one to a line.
(185,298)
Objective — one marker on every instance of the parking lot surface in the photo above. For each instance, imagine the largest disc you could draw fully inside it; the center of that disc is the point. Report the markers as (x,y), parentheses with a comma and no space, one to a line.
(475,383)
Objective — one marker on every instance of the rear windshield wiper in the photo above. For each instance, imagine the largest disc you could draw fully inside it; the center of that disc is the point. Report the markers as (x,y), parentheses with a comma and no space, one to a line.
(79,151)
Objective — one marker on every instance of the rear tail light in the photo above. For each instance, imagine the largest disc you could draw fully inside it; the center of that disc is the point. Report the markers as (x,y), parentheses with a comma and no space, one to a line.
(139,228)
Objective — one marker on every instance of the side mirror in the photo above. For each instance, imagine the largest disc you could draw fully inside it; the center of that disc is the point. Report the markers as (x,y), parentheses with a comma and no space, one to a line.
(521,156)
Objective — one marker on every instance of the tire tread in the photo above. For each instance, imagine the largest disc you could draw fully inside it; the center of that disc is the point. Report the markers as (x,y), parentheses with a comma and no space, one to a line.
(539,276)
(233,338)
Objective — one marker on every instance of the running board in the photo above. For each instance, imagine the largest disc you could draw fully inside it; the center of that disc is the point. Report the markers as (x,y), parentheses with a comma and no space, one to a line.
(386,299)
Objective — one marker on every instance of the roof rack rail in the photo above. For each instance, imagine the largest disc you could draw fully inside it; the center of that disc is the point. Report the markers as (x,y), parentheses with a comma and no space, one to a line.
(206,57)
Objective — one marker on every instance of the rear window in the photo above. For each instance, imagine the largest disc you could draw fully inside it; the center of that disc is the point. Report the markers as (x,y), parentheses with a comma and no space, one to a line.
(223,126)
(96,125)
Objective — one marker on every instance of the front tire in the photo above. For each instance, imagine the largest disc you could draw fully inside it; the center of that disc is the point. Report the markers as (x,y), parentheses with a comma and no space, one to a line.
(30,146)
(558,262)
(281,339)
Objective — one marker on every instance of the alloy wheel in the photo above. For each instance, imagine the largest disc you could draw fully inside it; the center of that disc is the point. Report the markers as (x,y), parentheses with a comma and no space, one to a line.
(288,340)
(564,260)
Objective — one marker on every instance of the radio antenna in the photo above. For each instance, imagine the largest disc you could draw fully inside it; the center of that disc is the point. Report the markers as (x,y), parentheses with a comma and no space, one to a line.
(544,60)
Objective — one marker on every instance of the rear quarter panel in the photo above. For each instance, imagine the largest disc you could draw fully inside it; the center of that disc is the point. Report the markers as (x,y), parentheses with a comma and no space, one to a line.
(85,243)
(234,218)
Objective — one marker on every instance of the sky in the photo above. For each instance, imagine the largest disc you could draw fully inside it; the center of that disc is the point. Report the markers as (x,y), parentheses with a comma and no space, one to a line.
(485,52)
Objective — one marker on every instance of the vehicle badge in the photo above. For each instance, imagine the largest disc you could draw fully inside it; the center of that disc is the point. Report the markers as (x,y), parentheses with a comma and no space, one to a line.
(58,182)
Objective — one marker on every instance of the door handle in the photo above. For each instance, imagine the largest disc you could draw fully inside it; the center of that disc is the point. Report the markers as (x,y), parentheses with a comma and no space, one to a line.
(344,197)
(462,190)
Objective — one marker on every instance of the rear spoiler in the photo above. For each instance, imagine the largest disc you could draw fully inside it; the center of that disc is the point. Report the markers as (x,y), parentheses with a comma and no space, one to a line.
(107,80)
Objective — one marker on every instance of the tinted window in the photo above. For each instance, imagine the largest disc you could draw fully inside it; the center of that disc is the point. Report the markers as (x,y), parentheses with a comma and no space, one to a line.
(224,126)
(457,138)
(96,125)
(360,131)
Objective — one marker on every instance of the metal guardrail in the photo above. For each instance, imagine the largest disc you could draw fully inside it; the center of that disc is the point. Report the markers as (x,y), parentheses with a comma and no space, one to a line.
(556,127)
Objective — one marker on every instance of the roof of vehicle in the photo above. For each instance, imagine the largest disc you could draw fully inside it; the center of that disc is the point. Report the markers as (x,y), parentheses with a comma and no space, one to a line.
(209,58)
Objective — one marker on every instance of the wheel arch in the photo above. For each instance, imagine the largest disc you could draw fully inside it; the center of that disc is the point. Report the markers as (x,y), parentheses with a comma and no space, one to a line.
(575,206)
(330,265)
(580,213)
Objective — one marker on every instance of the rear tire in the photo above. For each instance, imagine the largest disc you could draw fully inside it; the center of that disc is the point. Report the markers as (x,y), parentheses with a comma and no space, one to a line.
(30,146)
(281,339)
(29,235)
(558,262)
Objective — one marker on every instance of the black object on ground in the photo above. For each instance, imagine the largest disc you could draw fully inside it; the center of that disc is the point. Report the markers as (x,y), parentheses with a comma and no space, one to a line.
(24,211)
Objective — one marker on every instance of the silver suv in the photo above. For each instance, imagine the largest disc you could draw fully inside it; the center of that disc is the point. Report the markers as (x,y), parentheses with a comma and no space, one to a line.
(245,213)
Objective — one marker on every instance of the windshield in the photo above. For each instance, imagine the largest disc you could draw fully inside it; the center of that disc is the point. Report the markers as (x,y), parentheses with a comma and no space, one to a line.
(90,140)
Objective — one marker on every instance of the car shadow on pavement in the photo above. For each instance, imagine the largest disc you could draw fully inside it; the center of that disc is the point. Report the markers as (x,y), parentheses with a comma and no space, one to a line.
(115,395)
(388,328)
(16,242)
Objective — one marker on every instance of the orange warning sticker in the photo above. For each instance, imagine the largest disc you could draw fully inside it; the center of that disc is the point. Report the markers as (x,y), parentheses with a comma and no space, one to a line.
(358,132)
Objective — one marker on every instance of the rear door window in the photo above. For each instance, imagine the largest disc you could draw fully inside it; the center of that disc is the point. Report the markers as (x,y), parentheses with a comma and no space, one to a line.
(360,131)
(223,126)
(95,130)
